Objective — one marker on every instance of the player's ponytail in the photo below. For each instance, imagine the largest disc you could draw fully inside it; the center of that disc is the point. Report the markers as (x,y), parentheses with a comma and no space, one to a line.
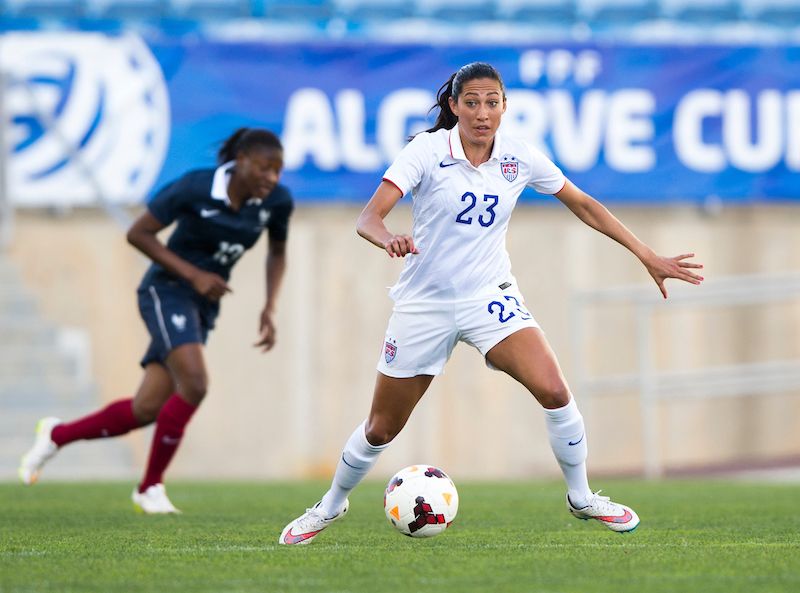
(245,140)
(446,119)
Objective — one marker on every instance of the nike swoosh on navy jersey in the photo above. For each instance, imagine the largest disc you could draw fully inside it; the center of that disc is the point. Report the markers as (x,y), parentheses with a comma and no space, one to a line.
(208,213)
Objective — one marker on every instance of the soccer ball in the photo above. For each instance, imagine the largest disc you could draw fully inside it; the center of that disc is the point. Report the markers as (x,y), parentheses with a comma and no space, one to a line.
(420,501)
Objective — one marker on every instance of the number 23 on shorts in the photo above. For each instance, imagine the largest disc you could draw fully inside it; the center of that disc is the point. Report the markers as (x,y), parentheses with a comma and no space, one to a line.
(509,309)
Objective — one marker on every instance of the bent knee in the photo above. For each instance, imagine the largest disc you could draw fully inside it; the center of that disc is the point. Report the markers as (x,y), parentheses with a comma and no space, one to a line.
(378,435)
(194,387)
(555,395)
(146,413)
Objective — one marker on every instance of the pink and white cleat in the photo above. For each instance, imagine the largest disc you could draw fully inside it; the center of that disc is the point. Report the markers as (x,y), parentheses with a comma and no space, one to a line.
(617,517)
(307,526)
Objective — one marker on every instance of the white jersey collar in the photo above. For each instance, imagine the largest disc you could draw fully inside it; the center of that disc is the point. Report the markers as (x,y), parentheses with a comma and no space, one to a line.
(222,178)
(457,149)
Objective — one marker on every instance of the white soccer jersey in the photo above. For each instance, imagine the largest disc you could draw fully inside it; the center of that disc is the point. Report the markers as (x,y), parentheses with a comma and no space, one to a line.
(461,212)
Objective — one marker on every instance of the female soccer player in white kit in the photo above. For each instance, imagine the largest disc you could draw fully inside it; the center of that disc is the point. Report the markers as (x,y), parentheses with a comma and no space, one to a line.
(457,285)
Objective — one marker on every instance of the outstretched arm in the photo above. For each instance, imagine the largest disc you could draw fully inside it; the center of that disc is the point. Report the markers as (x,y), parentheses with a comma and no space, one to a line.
(371,227)
(594,214)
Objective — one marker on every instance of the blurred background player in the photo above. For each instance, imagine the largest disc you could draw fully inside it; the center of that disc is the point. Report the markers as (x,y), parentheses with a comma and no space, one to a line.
(457,285)
(219,214)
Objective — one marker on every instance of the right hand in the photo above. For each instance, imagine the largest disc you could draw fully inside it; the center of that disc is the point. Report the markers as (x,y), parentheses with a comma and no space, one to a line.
(400,246)
(211,286)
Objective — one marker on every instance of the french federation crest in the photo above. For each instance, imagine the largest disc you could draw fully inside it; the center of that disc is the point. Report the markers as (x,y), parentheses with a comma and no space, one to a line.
(78,102)
(509,167)
(389,350)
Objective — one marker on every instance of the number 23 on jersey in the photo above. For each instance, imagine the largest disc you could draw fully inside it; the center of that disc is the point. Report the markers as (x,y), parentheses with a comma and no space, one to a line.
(481,211)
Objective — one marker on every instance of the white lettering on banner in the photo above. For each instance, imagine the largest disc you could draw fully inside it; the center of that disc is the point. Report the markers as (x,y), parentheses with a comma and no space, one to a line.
(629,127)
(357,156)
(757,133)
(559,66)
(526,117)
(688,131)
(577,132)
(765,149)
(309,130)
(394,114)
(620,122)
(335,138)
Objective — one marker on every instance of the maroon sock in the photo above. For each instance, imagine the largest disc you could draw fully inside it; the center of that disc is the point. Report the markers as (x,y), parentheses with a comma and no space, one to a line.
(115,419)
(171,421)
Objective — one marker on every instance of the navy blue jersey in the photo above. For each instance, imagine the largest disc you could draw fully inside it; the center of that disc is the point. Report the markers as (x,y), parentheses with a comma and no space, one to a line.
(209,234)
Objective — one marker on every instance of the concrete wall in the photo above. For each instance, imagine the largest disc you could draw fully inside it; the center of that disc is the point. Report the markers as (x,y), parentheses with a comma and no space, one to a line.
(287,413)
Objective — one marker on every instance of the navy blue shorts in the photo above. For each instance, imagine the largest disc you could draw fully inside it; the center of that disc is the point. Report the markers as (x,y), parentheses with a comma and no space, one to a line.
(174,315)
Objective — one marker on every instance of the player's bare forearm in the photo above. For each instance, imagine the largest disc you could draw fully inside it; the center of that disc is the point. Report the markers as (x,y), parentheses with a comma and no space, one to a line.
(371,227)
(594,214)
(275,271)
(373,230)
(142,235)
(597,216)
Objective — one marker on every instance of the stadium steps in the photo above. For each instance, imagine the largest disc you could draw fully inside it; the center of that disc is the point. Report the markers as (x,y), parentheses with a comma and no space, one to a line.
(44,372)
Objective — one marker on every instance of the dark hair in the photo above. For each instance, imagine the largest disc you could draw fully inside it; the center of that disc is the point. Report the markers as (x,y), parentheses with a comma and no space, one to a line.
(245,140)
(446,119)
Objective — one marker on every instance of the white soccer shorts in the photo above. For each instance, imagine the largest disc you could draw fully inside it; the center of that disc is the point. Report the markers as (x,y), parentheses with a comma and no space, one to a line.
(421,335)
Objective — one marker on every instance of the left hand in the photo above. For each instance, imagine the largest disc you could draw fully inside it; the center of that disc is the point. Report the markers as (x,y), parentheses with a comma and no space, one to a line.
(266,332)
(661,268)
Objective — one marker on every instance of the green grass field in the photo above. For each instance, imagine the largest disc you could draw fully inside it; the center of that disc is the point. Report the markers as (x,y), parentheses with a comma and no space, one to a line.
(695,536)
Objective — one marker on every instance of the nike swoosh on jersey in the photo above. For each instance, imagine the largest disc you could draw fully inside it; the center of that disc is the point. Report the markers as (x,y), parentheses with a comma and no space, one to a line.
(442,165)
(291,538)
(208,213)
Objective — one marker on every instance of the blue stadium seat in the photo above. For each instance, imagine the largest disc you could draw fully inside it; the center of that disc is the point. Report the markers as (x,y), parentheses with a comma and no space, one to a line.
(785,13)
(209,9)
(298,10)
(701,11)
(538,12)
(456,10)
(44,9)
(127,9)
(613,13)
(374,10)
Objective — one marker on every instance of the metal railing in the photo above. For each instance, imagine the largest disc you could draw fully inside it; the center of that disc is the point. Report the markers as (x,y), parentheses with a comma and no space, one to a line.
(652,384)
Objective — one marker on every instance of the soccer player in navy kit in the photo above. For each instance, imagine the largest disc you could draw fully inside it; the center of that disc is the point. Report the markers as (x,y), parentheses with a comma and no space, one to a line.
(219,214)
(457,286)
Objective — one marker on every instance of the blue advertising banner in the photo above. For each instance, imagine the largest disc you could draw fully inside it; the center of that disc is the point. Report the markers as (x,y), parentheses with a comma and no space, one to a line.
(114,118)
(626,123)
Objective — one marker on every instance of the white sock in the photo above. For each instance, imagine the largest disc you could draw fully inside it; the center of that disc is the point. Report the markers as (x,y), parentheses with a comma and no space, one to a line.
(357,459)
(568,441)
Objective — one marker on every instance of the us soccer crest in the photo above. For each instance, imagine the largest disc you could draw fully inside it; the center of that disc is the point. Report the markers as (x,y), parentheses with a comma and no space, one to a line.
(509,167)
(389,350)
